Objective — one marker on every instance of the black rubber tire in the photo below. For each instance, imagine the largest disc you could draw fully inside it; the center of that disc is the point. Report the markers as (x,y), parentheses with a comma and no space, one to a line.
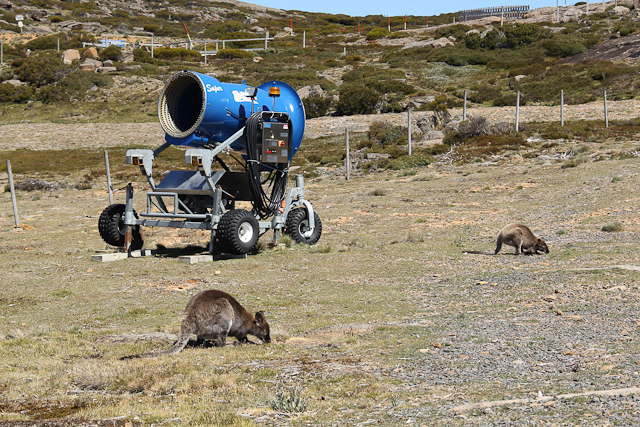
(111,227)
(298,223)
(238,232)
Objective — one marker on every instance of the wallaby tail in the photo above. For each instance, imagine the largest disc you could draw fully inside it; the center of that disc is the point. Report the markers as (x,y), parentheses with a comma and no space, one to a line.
(478,252)
(183,339)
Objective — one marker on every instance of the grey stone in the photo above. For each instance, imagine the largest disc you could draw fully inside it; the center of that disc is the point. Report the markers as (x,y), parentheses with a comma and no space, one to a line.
(69,55)
(307,91)
(106,69)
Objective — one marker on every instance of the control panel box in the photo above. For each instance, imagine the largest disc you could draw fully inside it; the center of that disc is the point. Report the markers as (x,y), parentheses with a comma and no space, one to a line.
(276,142)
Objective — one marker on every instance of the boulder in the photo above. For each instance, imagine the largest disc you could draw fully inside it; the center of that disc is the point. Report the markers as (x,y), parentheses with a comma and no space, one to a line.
(485,32)
(107,63)
(474,31)
(378,156)
(433,134)
(40,29)
(258,59)
(92,53)
(418,44)
(250,21)
(442,42)
(69,55)
(426,124)
(256,29)
(520,77)
(15,82)
(106,69)
(39,15)
(307,91)
(621,10)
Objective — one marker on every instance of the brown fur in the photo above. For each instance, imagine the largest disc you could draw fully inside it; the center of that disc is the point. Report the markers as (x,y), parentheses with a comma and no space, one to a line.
(520,237)
(215,315)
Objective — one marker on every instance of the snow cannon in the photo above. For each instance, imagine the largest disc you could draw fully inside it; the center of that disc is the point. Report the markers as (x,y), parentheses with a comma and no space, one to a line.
(195,110)
(207,118)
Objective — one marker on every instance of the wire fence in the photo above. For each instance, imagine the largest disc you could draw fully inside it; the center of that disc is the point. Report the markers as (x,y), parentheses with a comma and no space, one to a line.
(509,12)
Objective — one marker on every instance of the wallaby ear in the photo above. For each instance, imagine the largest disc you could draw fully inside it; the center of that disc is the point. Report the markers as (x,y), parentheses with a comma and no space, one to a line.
(259,318)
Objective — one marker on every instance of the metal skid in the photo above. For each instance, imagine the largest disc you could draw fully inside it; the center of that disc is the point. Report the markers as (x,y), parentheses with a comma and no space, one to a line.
(198,199)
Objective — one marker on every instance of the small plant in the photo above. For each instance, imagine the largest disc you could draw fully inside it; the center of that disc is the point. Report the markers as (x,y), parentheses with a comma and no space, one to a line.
(614,227)
(286,240)
(573,162)
(616,179)
(561,232)
(407,173)
(291,402)
(377,192)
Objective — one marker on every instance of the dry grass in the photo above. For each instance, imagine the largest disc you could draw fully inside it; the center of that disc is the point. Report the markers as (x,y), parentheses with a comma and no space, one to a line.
(350,316)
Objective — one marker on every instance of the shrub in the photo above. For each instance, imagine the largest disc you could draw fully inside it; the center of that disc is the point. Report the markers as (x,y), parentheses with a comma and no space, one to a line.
(141,55)
(476,126)
(113,53)
(353,58)
(439,108)
(484,93)
(167,53)
(151,28)
(614,227)
(41,69)
(316,106)
(377,33)
(55,19)
(562,46)
(43,43)
(383,133)
(357,99)
(74,85)
(19,94)
(233,54)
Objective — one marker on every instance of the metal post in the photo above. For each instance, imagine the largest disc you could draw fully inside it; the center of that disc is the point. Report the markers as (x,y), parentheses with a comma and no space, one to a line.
(205,51)
(2,52)
(518,112)
(152,46)
(502,17)
(557,11)
(603,5)
(58,44)
(223,45)
(304,39)
(348,160)
(464,106)
(409,126)
(13,195)
(266,40)
(587,7)
(606,113)
(109,187)
(562,107)
(345,51)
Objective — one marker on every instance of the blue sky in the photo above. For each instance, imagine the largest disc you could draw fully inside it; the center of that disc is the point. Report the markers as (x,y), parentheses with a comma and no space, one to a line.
(398,7)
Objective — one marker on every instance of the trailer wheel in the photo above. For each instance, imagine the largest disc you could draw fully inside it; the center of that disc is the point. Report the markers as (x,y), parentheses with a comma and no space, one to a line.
(112,229)
(238,231)
(297,227)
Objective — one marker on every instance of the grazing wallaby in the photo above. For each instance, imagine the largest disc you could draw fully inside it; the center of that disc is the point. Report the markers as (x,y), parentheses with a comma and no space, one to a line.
(520,237)
(215,315)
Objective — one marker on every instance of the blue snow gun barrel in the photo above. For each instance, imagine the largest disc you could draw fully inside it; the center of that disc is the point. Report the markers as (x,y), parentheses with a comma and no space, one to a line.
(195,109)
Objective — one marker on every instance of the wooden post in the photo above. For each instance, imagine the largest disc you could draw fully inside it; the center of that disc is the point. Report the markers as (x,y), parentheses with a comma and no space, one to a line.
(347,159)
(518,112)
(606,113)
(109,187)
(562,107)
(409,127)
(13,195)
(464,106)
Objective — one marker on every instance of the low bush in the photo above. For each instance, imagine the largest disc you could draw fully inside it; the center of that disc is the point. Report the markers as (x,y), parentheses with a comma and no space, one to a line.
(112,53)
(377,33)
(614,227)
(233,54)
(19,94)
(40,69)
(357,99)
(316,106)
(168,53)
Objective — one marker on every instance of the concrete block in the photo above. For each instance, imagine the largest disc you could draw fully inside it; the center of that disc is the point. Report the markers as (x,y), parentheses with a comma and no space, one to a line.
(194,259)
(219,257)
(109,257)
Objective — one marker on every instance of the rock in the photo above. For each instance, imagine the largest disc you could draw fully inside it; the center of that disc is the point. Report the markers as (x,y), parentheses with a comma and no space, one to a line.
(92,53)
(281,35)
(250,21)
(418,44)
(621,10)
(378,156)
(15,83)
(258,59)
(485,32)
(256,29)
(40,29)
(70,55)
(288,30)
(106,69)
(107,63)
(520,77)
(307,91)
(442,42)
(452,39)
(39,15)
(433,134)
(474,31)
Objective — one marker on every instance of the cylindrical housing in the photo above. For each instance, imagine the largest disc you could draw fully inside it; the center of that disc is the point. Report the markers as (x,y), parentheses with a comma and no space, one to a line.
(194,103)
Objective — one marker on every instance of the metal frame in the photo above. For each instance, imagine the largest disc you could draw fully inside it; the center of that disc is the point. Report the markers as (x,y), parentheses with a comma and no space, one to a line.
(201,158)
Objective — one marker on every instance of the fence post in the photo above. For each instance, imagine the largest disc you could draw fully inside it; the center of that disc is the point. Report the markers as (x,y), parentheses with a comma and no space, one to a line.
(2,52)
(502,17)
(266,41)
(304,39)
(603,5)
(109,187)
(152,46)
(557,11)
(205,51)
(518,112)
(347,159)
(562,107)
(587,7)
(58,44)
(464,106)
(606,113)
(409,127)
(13,195)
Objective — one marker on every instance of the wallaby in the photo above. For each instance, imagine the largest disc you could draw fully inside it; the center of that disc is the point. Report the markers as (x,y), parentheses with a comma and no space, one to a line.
(215,315)
(520,237)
